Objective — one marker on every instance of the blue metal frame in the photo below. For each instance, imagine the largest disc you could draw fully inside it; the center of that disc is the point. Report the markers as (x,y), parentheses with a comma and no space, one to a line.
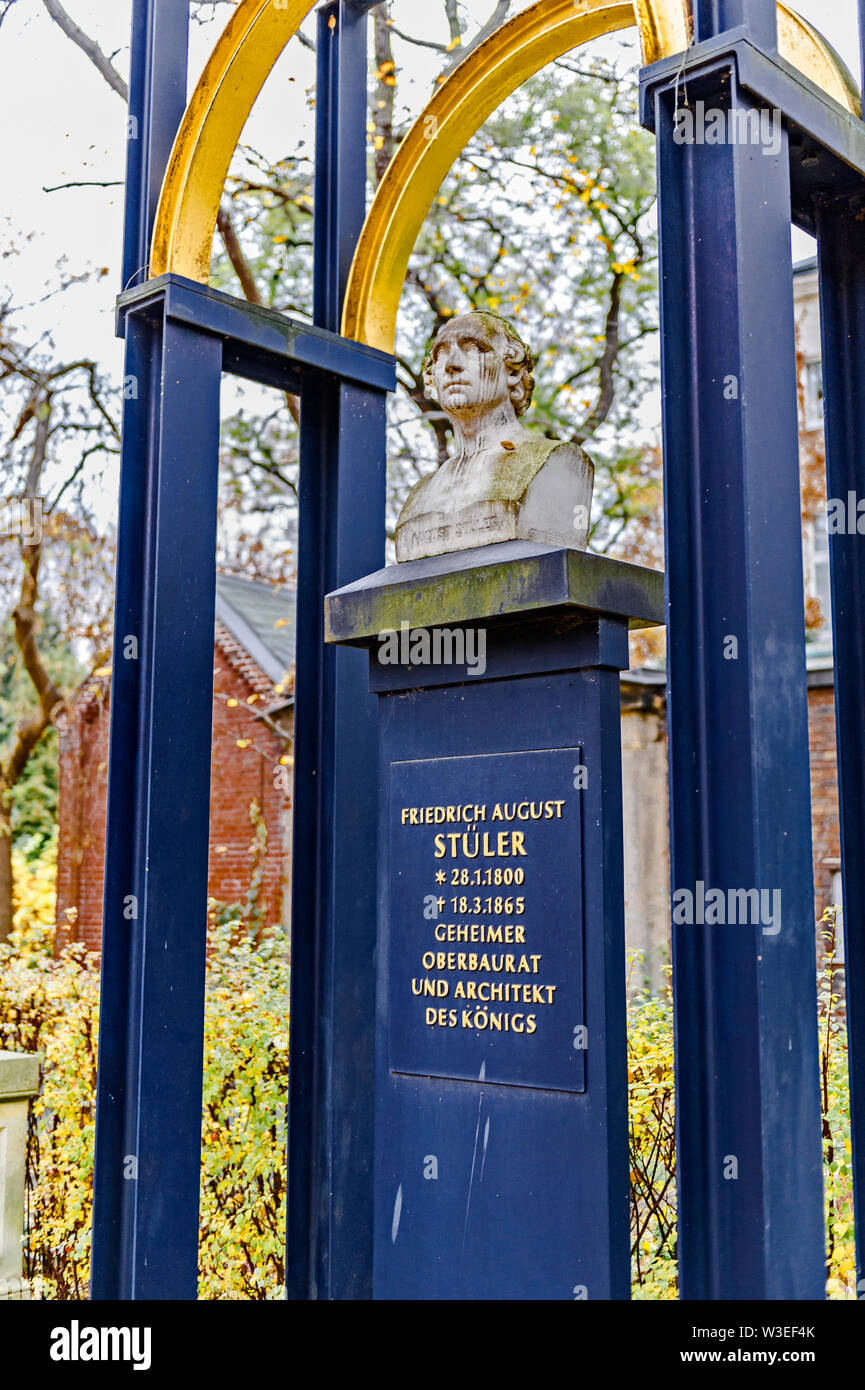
(739,753)
(147,1168)
(760,17)
(127,1178)
(841,243)
(341,536)
(180,336)
(746,1038)
(157,100)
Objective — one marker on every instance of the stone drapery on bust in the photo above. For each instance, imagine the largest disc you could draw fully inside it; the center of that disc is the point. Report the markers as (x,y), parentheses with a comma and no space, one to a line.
(501,482)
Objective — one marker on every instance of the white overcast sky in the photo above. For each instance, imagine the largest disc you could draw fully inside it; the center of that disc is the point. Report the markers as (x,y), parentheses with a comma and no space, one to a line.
(61,123)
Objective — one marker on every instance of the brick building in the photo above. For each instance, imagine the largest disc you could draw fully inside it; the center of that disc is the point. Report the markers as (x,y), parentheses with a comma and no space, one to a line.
(253,663)
(252,720)
(646,820)
(644,729)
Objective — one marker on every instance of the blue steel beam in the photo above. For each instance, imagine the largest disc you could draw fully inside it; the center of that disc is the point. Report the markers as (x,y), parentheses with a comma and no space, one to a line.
(759,18)
(341,537)
(341,507)
(144,1229)
(157,99)
(826,143)
(748,1112)
(148,1145)
(261,343)
(841,242)
(340,190)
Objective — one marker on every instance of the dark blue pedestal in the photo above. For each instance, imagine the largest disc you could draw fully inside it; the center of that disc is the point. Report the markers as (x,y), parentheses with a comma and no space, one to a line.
(501,1150)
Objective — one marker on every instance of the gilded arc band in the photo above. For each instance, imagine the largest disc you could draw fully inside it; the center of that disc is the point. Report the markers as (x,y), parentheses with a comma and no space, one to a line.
(258,32)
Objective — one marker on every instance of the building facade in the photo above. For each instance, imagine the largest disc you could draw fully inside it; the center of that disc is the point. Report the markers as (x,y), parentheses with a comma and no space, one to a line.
(251,769)
(252,757)
(644,728)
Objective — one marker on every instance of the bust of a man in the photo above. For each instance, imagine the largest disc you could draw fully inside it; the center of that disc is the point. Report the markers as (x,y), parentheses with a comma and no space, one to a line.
(501,482)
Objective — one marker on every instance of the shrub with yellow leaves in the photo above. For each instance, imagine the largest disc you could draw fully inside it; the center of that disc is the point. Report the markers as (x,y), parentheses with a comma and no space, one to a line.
(50,1004)
(651,1122)
(651,1098)
(243,1179)
(35,886)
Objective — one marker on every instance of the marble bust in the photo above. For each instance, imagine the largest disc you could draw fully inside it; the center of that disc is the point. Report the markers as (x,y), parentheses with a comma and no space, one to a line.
(501,482)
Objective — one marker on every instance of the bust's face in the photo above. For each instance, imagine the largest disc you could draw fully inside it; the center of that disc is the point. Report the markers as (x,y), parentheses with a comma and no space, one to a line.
(468,371)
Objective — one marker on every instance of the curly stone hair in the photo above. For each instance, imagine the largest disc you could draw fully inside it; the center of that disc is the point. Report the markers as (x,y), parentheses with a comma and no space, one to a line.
(517,355)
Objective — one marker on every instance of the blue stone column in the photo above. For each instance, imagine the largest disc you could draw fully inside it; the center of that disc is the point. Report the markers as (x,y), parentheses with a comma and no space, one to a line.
(749,1171)
(501,1139)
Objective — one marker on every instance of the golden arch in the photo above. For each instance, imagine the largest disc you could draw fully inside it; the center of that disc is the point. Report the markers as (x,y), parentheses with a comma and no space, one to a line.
(210,131)
(256,35)
(246,51)
(475,89)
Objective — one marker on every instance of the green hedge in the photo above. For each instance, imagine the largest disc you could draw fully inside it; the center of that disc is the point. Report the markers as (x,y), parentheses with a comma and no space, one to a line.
(51,1005)
(652,1133)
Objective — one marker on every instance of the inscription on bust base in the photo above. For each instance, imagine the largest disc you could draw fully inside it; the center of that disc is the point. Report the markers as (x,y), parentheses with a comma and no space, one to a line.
(485,935)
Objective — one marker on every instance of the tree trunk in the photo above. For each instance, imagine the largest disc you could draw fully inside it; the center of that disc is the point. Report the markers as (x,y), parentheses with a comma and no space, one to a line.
(5,873)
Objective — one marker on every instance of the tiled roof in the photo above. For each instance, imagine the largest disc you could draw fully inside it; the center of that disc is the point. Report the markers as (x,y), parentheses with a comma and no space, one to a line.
(261,620)
(239,660)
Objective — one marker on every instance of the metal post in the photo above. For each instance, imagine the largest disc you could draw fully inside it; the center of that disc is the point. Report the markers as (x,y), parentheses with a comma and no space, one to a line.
(148,1146)
(131,1217)
(748,1112)
(841,242)
(862,47)
(341,509)
(341,118)
(759,17)
(157,99)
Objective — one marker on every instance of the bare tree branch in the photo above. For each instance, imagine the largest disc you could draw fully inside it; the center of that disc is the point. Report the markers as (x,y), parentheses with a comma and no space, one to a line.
(234,251)
(86,183)
(497,17)
(6,8)
(25,621)
(244,273)
(88,46)
(383,104)
(606,372)
(456,29)
(419,43)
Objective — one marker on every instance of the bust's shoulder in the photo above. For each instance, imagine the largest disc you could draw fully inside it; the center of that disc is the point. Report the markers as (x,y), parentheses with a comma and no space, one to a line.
(539,458)
(562,457)
(563,451)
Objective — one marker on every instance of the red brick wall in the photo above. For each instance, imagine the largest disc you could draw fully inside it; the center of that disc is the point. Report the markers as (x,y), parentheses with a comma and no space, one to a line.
(824,793)
(239,775)
(83,739)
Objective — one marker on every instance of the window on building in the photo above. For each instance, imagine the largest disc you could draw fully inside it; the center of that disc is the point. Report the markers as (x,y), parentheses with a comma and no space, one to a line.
(822,585)
(838,903)
(813,395)
(815,558)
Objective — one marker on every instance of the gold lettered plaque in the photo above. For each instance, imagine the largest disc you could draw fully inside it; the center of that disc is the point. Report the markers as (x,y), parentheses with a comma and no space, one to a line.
(485,922)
